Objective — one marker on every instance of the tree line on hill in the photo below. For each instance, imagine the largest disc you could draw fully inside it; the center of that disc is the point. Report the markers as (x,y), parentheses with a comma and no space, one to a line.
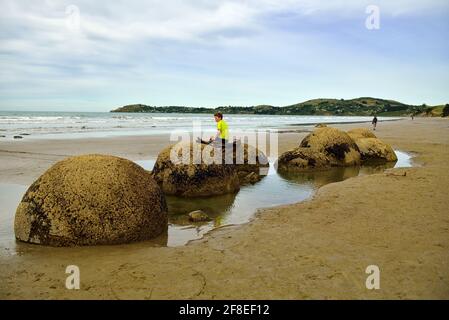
(353,107)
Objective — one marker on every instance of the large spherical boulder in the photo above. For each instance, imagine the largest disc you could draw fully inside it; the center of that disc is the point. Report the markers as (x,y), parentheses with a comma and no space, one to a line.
(335,144)
(91,200)
(195,169)
(371,148)
(375,150)
(324,148)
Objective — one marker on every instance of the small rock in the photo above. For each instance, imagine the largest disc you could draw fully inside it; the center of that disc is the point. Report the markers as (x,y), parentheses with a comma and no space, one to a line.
(2,136)
(198,216)
(25,134)
(18,137)
(320,125)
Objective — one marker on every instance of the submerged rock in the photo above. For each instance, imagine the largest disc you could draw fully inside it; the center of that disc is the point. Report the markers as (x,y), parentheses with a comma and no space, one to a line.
(198,216)
(18,137)
(91,200)
(324,148)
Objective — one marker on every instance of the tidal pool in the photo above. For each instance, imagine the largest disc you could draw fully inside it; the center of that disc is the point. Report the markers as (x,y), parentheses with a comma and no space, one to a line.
(273,190)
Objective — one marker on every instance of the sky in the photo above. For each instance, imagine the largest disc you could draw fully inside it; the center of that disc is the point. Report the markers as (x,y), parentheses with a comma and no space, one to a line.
(99,55)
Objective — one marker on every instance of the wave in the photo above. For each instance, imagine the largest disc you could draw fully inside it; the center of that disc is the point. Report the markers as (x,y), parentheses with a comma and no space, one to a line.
(40,123)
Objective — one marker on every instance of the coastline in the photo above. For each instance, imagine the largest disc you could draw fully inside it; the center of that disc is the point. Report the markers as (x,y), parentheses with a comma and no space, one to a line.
(396,222)
(17,126)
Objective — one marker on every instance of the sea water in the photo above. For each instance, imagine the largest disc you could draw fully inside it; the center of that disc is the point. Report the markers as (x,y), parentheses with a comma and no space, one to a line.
(54,125)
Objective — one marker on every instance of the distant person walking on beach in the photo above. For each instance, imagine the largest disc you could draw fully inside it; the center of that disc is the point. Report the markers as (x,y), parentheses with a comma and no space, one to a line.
(374,122)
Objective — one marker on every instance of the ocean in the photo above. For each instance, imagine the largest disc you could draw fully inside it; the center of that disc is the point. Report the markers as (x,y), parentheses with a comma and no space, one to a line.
(102,124)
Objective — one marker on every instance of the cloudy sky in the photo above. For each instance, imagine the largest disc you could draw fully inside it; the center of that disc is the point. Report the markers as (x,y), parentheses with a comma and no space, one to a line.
(97,55)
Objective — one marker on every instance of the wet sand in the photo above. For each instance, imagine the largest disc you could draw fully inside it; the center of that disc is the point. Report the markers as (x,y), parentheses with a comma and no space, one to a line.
(315,249)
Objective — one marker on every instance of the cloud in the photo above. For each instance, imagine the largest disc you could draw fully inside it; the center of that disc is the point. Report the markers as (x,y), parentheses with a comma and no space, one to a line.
(157,45)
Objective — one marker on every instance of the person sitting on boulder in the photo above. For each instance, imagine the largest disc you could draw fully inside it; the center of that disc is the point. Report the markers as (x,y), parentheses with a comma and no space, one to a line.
(222,135)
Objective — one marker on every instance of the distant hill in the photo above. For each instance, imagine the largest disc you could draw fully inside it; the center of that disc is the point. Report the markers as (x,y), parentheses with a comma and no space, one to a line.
(364,106)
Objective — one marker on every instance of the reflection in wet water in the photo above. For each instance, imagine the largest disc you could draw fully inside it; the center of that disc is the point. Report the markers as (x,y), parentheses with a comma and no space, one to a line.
(277,188)
(320,178)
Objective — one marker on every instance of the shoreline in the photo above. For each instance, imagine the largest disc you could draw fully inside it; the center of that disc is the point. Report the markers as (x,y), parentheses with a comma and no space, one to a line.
(80,127)
(347,122)
(310,268)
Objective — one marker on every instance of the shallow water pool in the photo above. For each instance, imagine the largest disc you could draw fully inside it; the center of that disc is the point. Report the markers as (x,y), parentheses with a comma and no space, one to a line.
(273,190)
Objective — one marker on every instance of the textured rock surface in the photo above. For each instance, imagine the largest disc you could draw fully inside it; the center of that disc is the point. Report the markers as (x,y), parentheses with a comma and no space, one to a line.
(251,163)
(373,149)
(302,159)
(187,178)
(337,145)
(324,148)
(90,200)
(249,178)
(359,133)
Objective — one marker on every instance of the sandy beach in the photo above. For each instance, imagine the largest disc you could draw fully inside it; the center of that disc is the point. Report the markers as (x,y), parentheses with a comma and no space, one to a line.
(316,249)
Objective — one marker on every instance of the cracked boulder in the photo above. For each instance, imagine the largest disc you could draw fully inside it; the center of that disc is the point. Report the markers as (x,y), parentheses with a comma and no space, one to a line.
(91,200)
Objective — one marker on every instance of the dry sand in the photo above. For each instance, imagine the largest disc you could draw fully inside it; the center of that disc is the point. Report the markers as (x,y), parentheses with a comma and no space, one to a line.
(320,248)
